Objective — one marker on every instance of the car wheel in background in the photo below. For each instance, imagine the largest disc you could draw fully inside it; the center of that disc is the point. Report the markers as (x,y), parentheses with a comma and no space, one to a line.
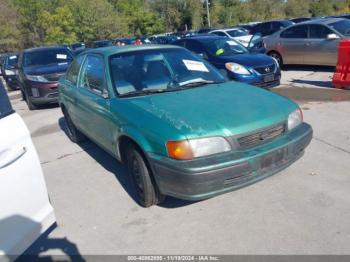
(30,104)
(276,56)
(73,133)
(147,192)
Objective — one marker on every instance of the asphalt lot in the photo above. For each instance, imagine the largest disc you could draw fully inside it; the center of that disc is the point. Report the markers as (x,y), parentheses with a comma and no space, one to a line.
(302,210)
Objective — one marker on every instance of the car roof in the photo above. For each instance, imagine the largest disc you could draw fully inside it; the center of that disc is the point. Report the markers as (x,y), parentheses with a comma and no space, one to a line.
(112,50)
(45,48)
(206,37)
(323,21)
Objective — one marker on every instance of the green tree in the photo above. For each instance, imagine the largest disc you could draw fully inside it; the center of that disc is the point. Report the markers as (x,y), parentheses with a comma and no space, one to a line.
(10,35)
(58,26)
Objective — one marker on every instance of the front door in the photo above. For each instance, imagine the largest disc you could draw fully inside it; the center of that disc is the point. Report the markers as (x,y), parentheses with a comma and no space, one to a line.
(319,49)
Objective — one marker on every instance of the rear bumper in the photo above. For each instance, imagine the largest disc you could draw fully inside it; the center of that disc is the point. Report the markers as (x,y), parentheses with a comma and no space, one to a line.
(207,177)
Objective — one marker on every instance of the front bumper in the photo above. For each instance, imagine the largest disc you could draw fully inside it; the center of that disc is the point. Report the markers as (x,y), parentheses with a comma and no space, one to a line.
(264,81)
(42,93)
(206,177)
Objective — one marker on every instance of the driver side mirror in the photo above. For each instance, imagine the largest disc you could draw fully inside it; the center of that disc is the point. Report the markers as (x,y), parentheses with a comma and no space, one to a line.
(332,36)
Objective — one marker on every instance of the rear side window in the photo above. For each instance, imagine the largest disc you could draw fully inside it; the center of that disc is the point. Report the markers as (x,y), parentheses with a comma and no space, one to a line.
(319,31)
(73,71)
(5,105)
(93,74)
(295,32)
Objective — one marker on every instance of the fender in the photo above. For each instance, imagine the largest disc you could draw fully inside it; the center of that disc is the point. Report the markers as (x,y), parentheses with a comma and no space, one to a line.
(134,135)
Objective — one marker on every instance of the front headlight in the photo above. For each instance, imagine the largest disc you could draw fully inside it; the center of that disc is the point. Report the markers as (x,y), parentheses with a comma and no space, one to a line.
(295,118)
(237,68)
(9,72)
(36,78)
(193,148)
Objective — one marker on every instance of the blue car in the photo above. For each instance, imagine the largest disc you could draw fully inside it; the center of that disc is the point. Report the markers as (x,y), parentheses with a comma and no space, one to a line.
(234,60)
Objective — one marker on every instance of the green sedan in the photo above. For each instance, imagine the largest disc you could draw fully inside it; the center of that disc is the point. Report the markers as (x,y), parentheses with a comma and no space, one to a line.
(182,129)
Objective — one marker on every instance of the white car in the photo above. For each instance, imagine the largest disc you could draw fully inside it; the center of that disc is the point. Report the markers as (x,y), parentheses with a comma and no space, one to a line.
(25,210)
(237,33)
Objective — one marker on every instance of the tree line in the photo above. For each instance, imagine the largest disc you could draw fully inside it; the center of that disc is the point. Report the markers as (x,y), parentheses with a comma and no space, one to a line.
(28,23)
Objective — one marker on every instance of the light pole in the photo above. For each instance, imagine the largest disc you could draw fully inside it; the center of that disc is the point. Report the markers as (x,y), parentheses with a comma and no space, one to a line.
(208,14)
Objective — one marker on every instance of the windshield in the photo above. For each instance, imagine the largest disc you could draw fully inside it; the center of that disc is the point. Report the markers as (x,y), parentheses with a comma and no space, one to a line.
(160,70)
(11,61)
(237,32)
(224,47)
(47,56)
(342,27)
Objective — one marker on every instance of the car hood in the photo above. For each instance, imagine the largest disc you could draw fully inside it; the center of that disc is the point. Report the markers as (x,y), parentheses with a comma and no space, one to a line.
(46,69)
(214,110)
(248,60)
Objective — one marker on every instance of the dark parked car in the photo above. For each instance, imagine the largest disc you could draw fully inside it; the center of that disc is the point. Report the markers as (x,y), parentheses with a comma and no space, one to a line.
(234,60)
(8,70)
(38,72)
(270,27)
(101,43)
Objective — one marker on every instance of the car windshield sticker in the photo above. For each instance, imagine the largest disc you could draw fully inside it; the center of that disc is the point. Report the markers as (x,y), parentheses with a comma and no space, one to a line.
(233,43)
(13,57)
(220,51)
(61,56)
(195,66)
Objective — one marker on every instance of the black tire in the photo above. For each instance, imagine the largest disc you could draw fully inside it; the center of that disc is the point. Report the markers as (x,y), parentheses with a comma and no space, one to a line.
(30,104)
(73,133)
(146,190)
(277,56)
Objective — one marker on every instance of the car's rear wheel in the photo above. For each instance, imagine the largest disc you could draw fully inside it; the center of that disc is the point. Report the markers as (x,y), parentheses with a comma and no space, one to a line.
(73,133)
(146,190)
(30,104)
(277,56)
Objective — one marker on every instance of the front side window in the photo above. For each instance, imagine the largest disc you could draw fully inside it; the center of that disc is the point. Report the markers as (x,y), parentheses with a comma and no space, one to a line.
(47,56)
(73,71)
(342,27)
(160,70)
(319,31)
(93,74)
(295,32)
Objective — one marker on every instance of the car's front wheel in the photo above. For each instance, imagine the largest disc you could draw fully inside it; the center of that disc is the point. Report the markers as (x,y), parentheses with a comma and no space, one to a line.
(276,56)
(146,190)
(73,133)
(30,104)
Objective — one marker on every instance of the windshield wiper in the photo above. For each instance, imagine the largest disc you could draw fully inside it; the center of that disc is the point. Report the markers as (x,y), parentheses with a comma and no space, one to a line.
(144,92)
(197,82)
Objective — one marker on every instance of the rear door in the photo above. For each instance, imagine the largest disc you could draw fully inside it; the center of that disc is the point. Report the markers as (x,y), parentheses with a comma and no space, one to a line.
(93,102)
(68,89)
(292,44)
(320,50)
(25,210)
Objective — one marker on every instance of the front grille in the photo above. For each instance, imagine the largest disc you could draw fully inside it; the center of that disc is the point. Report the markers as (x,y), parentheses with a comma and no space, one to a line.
(262,136)
(53,77)
(263,70)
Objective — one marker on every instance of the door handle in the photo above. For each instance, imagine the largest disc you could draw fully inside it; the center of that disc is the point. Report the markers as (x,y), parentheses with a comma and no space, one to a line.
(11,156)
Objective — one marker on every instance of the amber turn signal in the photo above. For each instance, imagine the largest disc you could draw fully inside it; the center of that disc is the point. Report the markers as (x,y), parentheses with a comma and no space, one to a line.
(180,150)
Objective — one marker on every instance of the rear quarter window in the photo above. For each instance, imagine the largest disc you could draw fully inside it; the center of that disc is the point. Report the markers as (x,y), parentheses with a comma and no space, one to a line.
(5,105)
